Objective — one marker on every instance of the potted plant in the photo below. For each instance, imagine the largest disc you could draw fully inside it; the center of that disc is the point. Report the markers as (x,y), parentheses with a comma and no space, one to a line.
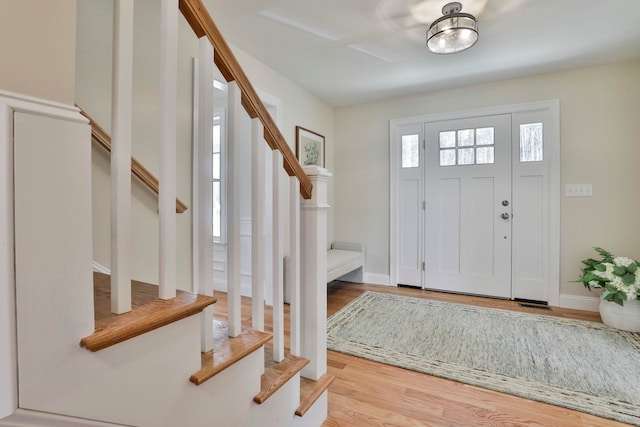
(620,279)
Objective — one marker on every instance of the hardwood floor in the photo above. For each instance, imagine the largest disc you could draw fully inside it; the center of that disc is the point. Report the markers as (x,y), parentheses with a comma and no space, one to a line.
(371,394)
(368,393)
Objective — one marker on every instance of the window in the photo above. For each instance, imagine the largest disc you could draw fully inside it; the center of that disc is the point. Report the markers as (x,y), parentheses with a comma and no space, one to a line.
(531,142)
(411,151)
(467,147)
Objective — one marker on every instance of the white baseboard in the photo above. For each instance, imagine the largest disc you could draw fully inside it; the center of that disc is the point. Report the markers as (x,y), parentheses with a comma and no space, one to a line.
(377,279)
(220,285)
(100,268)
(246,285)
(245,282)
(579,302)
(26,418)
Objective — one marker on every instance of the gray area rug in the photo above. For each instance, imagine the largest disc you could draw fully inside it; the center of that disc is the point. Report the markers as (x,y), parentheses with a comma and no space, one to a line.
(580,365)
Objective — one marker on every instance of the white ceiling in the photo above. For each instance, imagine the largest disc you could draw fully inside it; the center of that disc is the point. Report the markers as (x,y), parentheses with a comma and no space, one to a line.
(352,51)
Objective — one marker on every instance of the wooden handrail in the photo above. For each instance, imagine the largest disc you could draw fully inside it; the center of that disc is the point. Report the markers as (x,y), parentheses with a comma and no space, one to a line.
(104,139)
(202,24)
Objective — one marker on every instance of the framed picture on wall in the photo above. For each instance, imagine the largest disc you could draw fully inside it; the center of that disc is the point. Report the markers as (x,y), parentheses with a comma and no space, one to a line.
(309,147)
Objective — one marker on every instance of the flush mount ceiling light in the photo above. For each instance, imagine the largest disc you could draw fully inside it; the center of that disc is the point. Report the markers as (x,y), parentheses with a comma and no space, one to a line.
(453,32)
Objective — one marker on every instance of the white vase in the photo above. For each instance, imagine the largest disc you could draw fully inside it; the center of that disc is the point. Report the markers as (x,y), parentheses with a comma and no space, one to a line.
(625,317)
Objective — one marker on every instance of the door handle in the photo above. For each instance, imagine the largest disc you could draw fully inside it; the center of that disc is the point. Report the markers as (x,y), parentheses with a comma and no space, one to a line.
(504,216)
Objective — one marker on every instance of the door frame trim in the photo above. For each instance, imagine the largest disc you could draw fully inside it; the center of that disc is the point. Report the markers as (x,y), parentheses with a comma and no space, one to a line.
(553,108)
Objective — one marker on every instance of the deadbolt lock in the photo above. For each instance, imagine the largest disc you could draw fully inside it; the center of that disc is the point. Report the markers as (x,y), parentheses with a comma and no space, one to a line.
(505,203)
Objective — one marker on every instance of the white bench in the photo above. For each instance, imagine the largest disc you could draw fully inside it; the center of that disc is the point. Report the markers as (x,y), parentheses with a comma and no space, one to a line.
(345,261)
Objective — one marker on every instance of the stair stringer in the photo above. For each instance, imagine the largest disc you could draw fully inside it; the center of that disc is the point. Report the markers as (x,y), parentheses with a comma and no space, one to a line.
(145,382)
(316,415)
(279,409)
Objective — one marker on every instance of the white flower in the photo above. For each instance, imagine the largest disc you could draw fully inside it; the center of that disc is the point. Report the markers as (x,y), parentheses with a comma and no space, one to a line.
(618,283)
(631,290)
(623,261)
(615,276)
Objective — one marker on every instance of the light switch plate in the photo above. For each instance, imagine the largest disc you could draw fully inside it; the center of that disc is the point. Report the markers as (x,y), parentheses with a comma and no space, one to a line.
(579,190)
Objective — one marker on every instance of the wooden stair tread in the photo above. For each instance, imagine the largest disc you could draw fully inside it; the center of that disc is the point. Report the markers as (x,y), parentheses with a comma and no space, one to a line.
(311,390)
(277,374)
(148,312)
(227,351)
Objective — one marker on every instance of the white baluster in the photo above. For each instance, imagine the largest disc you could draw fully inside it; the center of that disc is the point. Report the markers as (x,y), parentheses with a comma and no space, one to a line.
(121,156)
(294,265)
(257,225)
(203,185)
(167,178)
(234,127)
(278,283)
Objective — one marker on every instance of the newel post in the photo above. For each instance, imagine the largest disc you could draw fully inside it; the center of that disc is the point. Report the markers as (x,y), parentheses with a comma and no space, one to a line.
(313,282)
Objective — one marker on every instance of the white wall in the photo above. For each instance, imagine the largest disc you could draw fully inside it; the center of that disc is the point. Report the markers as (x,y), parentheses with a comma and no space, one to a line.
(599,145)
(37,48)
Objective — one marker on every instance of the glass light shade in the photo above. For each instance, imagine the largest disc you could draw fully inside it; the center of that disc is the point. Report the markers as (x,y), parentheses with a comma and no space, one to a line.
(452,33)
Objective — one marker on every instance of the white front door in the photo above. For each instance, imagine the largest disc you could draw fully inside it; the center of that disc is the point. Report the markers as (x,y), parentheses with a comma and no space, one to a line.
(453,176)
(468,206)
